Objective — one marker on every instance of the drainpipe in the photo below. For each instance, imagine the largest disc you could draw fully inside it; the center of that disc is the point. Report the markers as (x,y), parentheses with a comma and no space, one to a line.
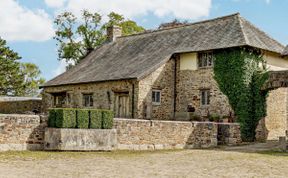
(133,98)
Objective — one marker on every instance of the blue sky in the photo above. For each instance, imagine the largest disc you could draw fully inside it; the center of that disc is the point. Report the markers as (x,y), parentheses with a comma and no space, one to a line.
(29,30)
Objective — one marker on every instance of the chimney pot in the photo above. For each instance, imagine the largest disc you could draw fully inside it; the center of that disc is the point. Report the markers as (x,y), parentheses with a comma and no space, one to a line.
(113,32)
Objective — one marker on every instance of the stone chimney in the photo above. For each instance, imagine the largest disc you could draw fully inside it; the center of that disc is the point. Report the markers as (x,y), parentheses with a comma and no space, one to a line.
(113,32)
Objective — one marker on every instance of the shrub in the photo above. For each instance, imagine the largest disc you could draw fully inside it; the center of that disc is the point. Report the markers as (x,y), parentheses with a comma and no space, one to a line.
(65,118)
(83,118)
(107,119)
(214,118)
(52,118)
(95,119)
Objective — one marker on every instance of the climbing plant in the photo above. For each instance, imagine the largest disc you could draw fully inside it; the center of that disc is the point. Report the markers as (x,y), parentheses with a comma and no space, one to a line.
(240,74)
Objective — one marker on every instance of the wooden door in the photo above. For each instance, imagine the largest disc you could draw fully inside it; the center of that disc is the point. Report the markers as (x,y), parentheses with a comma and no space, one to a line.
(122,106)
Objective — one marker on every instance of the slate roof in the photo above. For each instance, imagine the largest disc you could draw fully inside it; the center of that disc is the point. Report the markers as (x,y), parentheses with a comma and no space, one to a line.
(135,56)
(285,51)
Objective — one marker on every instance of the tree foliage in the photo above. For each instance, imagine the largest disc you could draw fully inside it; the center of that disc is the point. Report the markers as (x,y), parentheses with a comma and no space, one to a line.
(78,37)
(16,78)
(11,80)
(32,79)
(240,77)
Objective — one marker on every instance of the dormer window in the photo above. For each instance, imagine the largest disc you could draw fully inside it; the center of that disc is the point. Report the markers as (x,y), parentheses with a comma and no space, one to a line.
(205,60)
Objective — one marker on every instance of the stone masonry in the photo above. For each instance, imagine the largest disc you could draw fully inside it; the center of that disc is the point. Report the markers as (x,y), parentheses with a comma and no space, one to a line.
(20,105)
(138,134)
(22,132)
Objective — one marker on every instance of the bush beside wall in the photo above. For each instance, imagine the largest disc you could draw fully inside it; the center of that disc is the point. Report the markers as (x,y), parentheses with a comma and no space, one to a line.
(95,119)
(83,119)
(107,119)
(80,118)
(65,118)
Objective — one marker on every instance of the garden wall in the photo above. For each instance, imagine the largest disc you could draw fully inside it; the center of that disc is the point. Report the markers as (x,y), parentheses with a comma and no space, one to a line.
(20,105)
(22,132)
(134,134)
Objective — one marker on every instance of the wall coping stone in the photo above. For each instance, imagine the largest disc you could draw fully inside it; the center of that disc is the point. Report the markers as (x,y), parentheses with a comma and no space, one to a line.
(170,121)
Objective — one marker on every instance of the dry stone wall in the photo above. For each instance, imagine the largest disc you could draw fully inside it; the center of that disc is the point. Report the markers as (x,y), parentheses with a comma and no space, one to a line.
(20,105)
(137,134)
(22,132)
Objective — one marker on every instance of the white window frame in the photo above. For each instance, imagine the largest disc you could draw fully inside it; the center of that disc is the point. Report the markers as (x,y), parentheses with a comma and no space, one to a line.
(154,92)
(207,97)
(205,60)
(91,100)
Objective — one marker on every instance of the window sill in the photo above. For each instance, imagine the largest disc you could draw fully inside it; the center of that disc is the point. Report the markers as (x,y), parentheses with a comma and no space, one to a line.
(156,104)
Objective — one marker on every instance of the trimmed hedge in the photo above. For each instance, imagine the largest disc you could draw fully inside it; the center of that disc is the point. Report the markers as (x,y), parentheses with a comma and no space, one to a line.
(65,118)
(95,119)
(82,118)
(107,119)
(52,118)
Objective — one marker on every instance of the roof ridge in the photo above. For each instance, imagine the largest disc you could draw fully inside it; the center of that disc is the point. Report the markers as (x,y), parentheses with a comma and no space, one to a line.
(242,30)
(181,26)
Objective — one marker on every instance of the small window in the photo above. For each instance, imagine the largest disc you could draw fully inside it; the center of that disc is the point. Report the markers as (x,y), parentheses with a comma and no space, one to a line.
(87,100)
(205,97)
(59,100)
(205,60)
(156,97)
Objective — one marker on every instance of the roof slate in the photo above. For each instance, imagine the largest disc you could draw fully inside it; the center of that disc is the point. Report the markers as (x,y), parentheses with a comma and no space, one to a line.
(135,56)
(285,51)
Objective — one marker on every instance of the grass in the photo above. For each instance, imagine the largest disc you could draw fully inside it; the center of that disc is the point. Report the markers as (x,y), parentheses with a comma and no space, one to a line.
(42,155)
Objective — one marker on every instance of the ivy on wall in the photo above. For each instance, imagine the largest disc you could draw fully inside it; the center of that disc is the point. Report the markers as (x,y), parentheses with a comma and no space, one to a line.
(240,74)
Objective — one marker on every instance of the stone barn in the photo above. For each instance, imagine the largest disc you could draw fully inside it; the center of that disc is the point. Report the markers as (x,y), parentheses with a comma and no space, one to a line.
(160,74)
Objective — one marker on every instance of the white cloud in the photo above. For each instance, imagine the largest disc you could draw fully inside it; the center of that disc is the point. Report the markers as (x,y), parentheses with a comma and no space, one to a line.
(60,69)
(21,24)
(55,3)
(186,9)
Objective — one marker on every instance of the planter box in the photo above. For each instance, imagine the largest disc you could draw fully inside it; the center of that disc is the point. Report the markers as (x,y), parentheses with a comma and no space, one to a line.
(80,139)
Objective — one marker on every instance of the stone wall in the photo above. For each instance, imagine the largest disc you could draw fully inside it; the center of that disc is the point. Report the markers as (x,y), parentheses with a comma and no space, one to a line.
(162,79)
(229,134)
(80,139)
(20,105)
(189,84)
(103,94)
(22,132)
(137,134)
(275,123)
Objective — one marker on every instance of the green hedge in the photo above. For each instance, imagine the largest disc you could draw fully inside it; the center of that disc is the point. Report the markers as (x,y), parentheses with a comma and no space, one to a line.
(80,118)
(83,118)
(65,118)
(52,118)
(107,119)
(95,119)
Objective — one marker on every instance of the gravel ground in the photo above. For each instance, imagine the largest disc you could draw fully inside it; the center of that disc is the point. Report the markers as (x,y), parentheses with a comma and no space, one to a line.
(177,163)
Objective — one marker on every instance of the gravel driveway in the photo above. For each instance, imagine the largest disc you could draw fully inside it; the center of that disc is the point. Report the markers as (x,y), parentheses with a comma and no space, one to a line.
(177,163)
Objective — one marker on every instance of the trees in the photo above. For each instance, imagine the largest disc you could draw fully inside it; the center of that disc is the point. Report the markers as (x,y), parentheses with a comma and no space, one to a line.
(11,79)
(17,79)
(32,79)
(78,37)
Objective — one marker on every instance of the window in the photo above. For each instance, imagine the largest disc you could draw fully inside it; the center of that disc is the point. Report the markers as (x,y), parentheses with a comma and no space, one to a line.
(205,97)
(205,59)
(87,100)
(156,97)
(59,99)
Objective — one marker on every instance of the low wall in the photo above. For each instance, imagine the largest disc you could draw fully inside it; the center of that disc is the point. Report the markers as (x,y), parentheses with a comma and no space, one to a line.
(80,139)
(134,134)
(229,134)
(20,105)
(22,132)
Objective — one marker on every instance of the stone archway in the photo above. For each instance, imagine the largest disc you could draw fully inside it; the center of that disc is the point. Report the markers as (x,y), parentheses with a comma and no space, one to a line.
(275,123)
